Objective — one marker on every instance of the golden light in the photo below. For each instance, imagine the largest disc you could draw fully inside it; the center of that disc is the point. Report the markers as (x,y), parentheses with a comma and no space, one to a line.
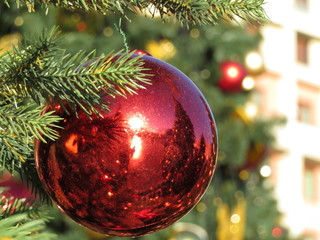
(248,83)
(254,61)
(136,144)
(163,49)
(251,110)
(136,123)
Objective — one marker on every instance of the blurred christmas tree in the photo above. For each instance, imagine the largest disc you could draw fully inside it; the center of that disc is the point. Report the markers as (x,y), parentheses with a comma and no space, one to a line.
(239,203)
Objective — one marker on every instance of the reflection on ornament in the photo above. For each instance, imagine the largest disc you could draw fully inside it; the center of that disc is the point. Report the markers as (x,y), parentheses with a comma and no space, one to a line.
(254,61)
(183,231)
(141,166)
(136,145)
(136,123)
(164,49)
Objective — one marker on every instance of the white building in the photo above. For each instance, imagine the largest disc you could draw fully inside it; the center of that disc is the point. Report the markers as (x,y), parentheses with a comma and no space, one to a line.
(290,87)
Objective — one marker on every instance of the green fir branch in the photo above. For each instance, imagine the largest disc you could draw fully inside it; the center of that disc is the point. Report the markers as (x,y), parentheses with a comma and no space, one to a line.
(248,10)
(30,178)
(13,152)
(26,121)
(39,70)
(22,219)
(192,12)
(23,227)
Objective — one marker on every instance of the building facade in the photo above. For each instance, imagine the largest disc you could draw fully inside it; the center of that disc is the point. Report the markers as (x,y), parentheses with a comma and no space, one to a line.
(290,87)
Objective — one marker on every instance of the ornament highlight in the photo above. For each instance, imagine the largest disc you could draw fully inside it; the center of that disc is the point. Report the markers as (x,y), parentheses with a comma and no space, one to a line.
(140,167)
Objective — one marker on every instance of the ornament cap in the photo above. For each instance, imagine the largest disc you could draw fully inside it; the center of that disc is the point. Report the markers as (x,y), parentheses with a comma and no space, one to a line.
(141,52)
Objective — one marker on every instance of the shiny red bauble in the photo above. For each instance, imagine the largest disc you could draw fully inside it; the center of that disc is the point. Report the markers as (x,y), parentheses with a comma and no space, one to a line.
(140,167)
(232,75)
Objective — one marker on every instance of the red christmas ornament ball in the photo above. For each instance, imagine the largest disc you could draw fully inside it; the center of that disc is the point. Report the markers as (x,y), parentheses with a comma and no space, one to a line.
(232,75)
(140,167)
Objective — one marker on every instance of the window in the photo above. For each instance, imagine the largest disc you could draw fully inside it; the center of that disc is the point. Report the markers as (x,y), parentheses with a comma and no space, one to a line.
(302,4)
(308,103)
(302,48)
(305,113)
(311,172)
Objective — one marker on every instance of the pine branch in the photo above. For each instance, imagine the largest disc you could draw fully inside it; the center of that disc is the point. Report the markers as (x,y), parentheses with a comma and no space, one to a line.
(30,177)
(22,227)
(192,12)
(41,71)
(248,10)
(21,219)
(26,121)
(19,124)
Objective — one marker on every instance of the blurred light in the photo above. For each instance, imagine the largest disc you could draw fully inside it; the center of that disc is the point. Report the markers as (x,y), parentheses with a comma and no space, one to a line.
(276,232)
(164,49)
(205,74)
(234,229)
(75,17)
(235,218)
(201,207)
(248,83)
(108,31)
(81,26)
(18,21)
(194,33)
(244,175)
(217,201)
(254,61)
(251,110)
(265,171)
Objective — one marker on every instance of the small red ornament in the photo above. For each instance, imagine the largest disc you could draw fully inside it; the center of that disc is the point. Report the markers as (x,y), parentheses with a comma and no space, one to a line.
(232,75)
(142,166)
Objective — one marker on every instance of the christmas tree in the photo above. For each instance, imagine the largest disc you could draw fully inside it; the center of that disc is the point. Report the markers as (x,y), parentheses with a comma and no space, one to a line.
(195,38)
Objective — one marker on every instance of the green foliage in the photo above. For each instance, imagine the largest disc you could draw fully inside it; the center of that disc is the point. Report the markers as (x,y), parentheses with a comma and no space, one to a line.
(22,219)
(23,227)
(41,70)
(195,12)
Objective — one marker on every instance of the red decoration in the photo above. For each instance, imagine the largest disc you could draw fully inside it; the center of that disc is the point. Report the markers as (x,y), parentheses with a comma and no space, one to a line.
(142,166)
(232,75)
(13,187)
